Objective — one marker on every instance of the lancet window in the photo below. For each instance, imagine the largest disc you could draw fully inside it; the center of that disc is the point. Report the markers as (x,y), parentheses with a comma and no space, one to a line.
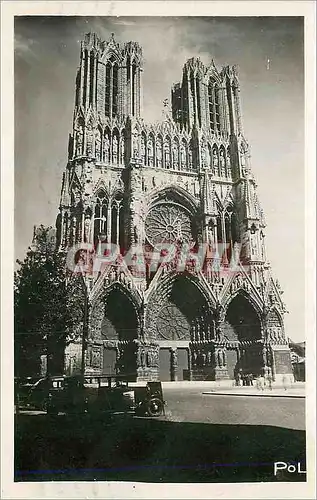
(214,105)
(111,90)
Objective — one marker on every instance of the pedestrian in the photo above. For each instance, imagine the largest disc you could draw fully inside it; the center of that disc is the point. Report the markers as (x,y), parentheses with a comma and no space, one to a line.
(269,381)
(251,379)
(284,381)
(258,383)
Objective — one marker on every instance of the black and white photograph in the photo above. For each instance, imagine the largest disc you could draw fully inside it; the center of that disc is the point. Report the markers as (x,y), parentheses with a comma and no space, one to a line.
(159,259)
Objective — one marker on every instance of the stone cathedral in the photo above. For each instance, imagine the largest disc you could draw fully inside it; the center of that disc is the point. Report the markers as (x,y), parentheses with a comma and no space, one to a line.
(182,183)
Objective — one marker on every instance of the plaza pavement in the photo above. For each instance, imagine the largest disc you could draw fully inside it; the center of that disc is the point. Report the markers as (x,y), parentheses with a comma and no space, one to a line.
(295,390)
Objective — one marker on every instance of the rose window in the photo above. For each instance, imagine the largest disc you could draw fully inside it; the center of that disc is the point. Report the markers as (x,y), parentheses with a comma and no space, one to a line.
(172,324)
(167,223)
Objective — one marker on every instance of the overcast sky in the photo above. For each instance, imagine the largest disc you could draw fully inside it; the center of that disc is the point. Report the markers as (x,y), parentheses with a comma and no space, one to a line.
(46,59)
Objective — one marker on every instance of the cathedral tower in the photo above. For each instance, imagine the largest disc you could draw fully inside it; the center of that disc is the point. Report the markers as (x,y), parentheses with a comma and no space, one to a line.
(185,291)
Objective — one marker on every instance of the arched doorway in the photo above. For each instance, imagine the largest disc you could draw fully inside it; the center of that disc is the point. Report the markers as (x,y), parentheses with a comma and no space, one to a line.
(243,326)
(183,327)
(119,329)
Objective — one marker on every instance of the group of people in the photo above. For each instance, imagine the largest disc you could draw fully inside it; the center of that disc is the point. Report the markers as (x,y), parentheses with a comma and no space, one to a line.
(242,378)
(248,379)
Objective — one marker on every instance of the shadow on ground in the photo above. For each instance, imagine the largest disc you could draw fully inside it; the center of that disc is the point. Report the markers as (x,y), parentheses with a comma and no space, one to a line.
(83,448)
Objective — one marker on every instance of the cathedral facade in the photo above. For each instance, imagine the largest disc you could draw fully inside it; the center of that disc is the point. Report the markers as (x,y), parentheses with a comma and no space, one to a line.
(180,287)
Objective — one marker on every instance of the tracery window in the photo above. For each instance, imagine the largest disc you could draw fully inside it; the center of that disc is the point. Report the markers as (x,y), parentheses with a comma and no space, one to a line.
(227,230)
(100,217)
(108,219)
(91,78)
(168,222)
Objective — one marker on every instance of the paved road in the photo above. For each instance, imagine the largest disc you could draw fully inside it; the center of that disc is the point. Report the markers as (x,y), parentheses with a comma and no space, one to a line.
(188,404)
(202,438)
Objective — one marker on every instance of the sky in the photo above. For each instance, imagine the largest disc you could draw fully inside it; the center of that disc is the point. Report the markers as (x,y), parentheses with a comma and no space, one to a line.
(272,98)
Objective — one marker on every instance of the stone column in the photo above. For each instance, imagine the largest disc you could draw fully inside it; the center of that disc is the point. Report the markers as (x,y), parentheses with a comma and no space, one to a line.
(173,352)
(190,365)
(109,221)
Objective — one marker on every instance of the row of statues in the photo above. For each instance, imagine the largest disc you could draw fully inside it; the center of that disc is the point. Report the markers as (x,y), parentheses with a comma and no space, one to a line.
(164,154)
(149,357)
(167,155)
(105,151)
(275,335)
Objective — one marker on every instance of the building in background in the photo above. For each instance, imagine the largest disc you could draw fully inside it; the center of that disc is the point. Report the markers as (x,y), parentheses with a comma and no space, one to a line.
(174,194)
(298,358)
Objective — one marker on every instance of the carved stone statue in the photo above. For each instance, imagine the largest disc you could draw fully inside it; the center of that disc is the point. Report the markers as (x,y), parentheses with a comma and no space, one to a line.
(222,164)
(183,156)
(253,246)
(115,150)
(242,160)
(214,159)
(95,358)
(150,153)
(90,138)
(203,359)
(122,151)
(175,156)
(142,156)
(210,233)
(209,358)
(167,156)
(220,359)
(228,161)
(79,142)
(97,150)
(195,356)
(87,229)
(159,154)
(190,158)
(106,149)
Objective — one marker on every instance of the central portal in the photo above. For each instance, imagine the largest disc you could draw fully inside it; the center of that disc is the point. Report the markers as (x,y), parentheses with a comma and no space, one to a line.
(183,327)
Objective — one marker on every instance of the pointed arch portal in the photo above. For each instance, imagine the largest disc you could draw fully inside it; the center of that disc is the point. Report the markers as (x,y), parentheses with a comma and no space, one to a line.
(182,324)
(242,324)
(119,328)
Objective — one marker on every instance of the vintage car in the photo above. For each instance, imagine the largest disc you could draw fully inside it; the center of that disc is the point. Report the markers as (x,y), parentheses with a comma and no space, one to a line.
(95,394)
(22,389)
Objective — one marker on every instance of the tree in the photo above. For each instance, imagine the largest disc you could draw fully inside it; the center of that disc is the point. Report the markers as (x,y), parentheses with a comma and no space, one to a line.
(42,318)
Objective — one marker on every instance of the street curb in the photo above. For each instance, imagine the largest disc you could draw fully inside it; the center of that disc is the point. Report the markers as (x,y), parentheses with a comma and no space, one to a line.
(218,393)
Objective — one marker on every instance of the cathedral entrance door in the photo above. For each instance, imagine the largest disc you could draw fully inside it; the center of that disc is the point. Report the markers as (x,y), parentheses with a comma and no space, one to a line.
(232,359)
(182,364)
(165,365)
(109,361)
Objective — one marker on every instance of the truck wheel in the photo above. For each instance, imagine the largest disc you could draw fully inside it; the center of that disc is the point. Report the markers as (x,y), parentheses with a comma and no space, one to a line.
(155,407)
